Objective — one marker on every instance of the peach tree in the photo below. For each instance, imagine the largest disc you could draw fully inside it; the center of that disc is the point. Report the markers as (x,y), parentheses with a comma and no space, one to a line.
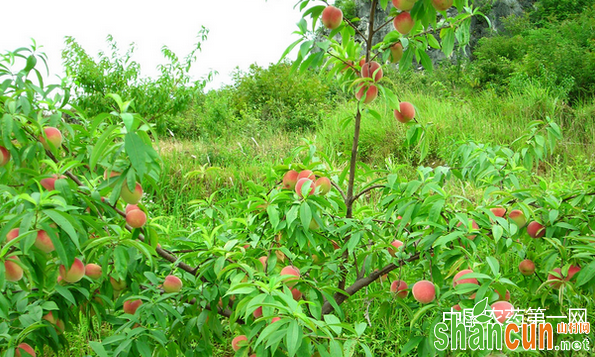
(280,271)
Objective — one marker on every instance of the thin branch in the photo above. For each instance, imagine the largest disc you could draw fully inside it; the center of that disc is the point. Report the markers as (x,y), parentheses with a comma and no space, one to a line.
(340,190)
(363,192)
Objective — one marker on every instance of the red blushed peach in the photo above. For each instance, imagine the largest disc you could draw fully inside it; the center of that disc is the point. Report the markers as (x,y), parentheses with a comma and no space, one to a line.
(291,275)
(527,267)
(12,234)
(43,242)
(404,5)
(506,296)
(296,294)
(23,350)
(369,91)
(12,271)
(403,23)
(558,278)
(50,182)
(458,278)
(238,342)
(306,174)
(4,156)
(396,244)
(93,271)
(424,291)
(442,5)
(54,138)
(130,306)
(399,288)
(74,273)
(372,70)
(457,307)
(275,319)
(396,52)
(325,185)
(172,284)
(518,217)
(474,226)
(290,179)
(332,17)
(405,113)
(263,261)
(498,211)
(257,313)
(50,318)
(301,183)
(130,196)
(503,310)
(136,218)
(111,174)
(535,230)
(130,208)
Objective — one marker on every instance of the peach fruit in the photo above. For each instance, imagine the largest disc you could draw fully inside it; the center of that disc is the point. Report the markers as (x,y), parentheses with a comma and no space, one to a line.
(130,306)
(74,273)
(13,271)
(503,310)
(399,287)
(527,267)
(457,279)
(535,230)
(396,52)
(238,343)
(405,113)
(4,156)
(442,5)
(404,5)
(129,196)
(44,242)
(372,70)
(23,350)
(325,185)
(54,138)
(518,217)
(301,182)
(172,284)
(289,179)
(136,218)
(403,23)
(474,226)
(306,174)
(292,274)
(93,271)
(332,17)
(424,291)
(12,234)
(371,92)
(397,244)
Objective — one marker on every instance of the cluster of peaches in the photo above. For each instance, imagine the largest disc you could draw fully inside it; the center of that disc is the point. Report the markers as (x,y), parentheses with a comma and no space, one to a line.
(305,182)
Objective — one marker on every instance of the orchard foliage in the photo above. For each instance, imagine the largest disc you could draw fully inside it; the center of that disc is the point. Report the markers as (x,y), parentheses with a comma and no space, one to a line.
(280,271)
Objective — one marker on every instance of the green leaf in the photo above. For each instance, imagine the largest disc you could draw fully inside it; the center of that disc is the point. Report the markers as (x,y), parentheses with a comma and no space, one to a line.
(135,148)
(480,307)
(497,232)
(494,265)
(586,274)
(66,294)
(64,221)
(448,40)
(293,338)
(98,348)
(101,146)
(305,215)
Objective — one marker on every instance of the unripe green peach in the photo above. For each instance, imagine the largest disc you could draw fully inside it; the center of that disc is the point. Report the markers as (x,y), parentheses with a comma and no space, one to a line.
(129,196)
(405,113)
(43,242)
(130,306)
(4,156)
(74,273)
(12,271)
(54,138)
(424,291)
(172,284)
(403,23)
(289,179)
(325,185)
(117,284)
(136,218)
(332,17)
(93,271)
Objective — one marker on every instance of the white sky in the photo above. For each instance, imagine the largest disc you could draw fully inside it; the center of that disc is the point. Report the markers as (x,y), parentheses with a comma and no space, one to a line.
(242,32)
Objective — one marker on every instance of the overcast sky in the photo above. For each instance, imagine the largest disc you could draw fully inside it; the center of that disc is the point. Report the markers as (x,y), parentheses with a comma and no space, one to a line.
(241,31)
